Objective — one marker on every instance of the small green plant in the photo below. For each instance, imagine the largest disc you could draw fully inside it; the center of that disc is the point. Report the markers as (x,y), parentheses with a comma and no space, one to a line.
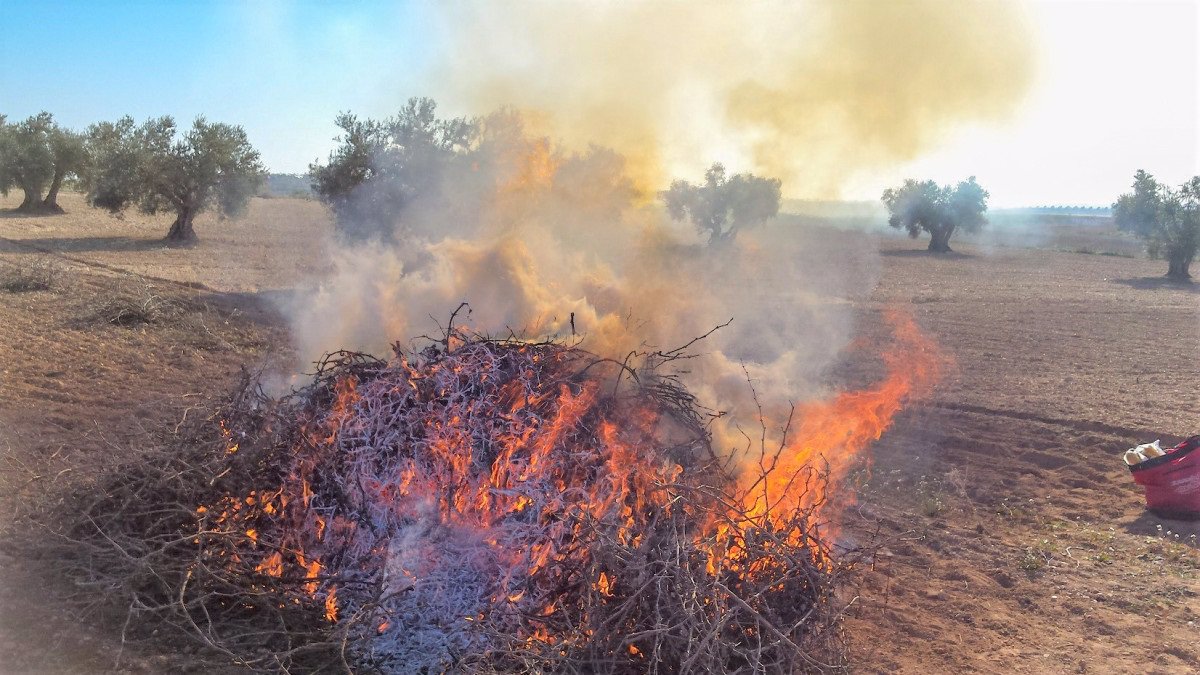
(1037,556)
(932,505)
(929,497)
(1031,561)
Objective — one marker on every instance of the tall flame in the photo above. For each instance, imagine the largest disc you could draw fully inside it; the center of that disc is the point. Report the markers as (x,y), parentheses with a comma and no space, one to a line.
(831,435)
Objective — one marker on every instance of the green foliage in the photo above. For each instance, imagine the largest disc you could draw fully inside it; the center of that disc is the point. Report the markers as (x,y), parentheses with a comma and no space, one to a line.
(721,206)
(37,154)
(211,166)
(5,153)
(26,160)
(69,155)
(286,185)
(1168,220)
(68,149)
(381,167)
(418,175)
(110,178)
(924,206)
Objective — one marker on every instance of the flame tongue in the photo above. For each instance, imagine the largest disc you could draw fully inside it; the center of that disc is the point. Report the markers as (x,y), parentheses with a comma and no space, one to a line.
(474,485)
(832,434)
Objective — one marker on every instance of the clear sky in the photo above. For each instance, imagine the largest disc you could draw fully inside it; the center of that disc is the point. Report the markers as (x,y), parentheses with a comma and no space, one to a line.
(1116,83)
(1118,88)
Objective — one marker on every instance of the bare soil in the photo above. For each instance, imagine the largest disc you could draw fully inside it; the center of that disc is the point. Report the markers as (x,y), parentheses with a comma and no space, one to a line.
(1013,539)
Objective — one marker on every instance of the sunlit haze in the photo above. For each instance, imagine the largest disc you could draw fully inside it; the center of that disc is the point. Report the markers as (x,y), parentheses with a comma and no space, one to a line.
(1068,102)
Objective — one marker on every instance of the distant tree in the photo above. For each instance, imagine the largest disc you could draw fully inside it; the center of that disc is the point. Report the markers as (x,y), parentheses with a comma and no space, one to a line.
(212,166)
(381,167)
(923,206)
(27,161)
(5,153)
(69,156)
(1167,220)
(286,185)
(721,206)
(111,174)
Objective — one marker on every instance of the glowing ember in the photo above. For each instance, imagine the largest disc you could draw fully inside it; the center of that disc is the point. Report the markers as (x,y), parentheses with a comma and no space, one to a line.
(505,498)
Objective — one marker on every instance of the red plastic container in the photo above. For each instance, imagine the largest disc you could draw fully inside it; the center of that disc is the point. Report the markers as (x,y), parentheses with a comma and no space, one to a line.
(1172,481)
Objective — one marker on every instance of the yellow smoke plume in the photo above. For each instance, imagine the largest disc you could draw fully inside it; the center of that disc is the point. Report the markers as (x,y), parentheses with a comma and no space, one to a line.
(810,92)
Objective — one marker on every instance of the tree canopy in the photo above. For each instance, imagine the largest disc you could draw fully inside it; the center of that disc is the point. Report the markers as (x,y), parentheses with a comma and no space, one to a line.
(419,175)
(924,206)
(721,206)
(69,155)
(27,159)
(1168,220)
(381,167)
(211,166)
(36,154)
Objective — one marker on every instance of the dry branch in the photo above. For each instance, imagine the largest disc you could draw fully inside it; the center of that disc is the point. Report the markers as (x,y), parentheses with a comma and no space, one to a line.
(479,506)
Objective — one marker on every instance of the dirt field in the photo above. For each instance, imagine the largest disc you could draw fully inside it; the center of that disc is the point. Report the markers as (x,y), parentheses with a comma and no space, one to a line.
(1013,538)
(1020,541)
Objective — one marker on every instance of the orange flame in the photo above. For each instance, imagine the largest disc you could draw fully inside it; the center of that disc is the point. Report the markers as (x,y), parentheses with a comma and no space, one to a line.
(607,468)
(331,607)
(534,169)
(832,434)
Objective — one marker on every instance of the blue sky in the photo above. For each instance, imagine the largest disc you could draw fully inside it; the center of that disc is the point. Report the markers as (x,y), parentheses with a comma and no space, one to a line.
(282,70)
(1117,84)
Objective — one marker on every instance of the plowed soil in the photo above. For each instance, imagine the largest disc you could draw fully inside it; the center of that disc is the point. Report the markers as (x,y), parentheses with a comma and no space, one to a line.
(1011,538)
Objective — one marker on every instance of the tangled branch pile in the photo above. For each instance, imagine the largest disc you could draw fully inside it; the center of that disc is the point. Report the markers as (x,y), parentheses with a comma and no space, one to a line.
(479,506)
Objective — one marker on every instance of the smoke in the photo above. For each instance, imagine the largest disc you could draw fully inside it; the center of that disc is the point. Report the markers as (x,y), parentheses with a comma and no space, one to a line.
(812,93)
(544,242)
(545,234)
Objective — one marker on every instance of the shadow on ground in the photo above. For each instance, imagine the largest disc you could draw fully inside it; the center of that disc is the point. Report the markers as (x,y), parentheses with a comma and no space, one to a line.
(1186,526)
(1154,283)
(83,244)
(13,213)
(923,253)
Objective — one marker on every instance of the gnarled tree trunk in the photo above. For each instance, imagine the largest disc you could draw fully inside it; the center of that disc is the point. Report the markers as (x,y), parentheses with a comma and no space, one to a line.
(182,231)
(939,238)
(1177,268)
(50,203)
(32,200)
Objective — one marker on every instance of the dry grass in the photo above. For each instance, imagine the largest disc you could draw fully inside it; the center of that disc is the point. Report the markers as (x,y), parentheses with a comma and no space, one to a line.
(38,274)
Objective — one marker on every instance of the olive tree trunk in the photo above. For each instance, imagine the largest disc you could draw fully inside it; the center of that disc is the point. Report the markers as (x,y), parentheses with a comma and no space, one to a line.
(1177,268)
(50,203)
(32,200)
(182,230)
(939,239)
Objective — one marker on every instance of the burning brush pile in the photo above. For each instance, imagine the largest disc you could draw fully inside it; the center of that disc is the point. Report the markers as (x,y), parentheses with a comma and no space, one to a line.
(480,505)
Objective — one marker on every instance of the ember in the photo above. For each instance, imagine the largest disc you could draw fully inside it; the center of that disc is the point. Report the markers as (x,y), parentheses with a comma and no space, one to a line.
(494,505)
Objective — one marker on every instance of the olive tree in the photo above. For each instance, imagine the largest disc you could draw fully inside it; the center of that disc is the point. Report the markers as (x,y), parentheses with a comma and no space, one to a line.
(26,160)
(1168,220)
(721,206)
(114,152)
(924,206)
(5,151)
(212,166)
(382,167)
(37,154)
(68,153)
